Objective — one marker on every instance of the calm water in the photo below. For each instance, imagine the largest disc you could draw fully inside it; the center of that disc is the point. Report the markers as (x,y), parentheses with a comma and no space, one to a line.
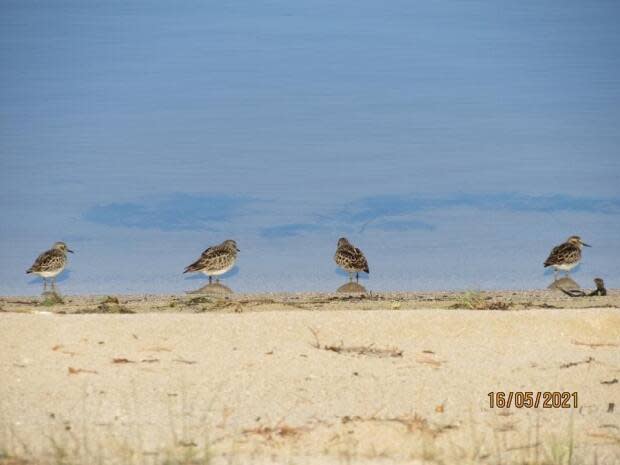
(454,142)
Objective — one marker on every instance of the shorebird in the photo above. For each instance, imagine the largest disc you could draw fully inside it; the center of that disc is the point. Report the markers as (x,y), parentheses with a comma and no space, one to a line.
(566,256)
(350,258)
(216,260)
(51,263)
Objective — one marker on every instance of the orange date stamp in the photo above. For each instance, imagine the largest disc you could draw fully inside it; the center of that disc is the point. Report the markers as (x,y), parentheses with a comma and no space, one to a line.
(531,399)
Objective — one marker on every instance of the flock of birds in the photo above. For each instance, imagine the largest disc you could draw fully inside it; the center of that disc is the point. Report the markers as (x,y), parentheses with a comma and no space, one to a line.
(219,259)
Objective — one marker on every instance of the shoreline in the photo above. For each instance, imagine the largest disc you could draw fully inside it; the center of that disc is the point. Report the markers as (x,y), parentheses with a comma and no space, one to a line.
(283,301)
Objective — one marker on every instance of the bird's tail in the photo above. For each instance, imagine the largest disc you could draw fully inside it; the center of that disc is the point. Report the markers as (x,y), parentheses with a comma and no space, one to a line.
(192,267)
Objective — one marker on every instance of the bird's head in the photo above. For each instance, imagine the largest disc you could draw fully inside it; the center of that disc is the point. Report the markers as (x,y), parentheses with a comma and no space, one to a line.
(231,245)
(343,241)
(62,247)
(576,240)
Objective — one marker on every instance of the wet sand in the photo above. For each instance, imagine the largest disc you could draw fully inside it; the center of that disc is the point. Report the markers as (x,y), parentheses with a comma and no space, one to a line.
(312,378)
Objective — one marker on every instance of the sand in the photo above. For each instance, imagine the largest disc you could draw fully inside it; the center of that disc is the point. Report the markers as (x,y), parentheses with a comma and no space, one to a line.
(394,378)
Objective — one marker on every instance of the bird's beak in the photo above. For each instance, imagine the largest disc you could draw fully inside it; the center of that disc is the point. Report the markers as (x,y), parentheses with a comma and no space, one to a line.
(69,250)
(586,245)
(237,249)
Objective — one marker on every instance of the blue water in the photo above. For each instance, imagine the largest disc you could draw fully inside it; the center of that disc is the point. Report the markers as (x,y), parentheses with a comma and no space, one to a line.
(455,142)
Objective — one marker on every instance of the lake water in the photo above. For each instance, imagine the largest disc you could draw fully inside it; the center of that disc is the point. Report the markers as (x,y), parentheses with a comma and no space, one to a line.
(455,142)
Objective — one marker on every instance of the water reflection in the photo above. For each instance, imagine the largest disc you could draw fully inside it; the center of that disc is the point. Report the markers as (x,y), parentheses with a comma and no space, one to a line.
(352,288)
(566,283)
(49,288)
(215,288)
(52,296)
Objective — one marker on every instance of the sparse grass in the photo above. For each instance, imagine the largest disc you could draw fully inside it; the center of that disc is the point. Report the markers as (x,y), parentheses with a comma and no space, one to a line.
(60,454)
(369,350)
(209,304)
(8,459)
(561,451)
(476,300)
(188,454)
(201,300)
(280,430)
(412,422)
(108,305)
(52,298)
(179,455)
(555,450)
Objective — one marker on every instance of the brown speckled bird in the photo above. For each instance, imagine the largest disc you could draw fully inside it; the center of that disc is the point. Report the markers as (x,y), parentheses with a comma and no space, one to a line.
(216,260)
(350,258)
(566,256)
(51,263)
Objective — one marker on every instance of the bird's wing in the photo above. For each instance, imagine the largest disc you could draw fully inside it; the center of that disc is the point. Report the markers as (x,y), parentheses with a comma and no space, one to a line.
(196,266)
(213,257)
(215,253)
(346,252)
(352,256)
(207,251)
(361,260)
(200,263)
(47,261)
(563,253)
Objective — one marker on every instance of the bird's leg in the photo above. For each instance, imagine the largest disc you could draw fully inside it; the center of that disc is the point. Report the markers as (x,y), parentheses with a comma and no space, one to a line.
(217,280)
(44,284)
(556,272)
(350,277)
(54,283)
(210,279)
(357,277)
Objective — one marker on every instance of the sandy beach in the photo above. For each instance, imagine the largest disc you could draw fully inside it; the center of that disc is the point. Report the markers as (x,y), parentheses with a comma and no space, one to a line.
(317,378)
(202,182)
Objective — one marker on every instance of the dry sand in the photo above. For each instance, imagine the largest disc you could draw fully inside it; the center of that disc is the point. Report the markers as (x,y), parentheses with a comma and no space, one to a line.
(390,378)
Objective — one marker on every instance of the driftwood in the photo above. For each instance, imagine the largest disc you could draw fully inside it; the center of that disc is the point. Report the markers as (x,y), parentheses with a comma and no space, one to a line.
(600,290)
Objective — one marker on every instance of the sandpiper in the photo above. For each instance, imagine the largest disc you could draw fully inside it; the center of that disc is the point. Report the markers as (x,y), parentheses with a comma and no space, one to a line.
(566,256)
(216,260)
(51,263)
(350,258)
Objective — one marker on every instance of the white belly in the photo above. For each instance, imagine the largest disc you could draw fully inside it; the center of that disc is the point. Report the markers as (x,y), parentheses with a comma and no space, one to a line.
(49,274)
(219,272)
(566,267)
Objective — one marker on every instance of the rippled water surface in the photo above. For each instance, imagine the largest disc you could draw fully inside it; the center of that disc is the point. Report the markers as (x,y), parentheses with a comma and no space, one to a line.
(454,142)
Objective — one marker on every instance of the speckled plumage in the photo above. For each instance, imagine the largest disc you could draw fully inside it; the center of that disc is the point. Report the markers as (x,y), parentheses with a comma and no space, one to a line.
(51,262)
(564,254)
(215,260)
(350,258)
(567,255)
